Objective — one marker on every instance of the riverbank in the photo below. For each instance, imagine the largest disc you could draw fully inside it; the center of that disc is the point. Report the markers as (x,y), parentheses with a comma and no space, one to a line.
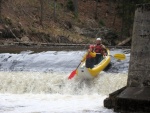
(21,23)
(19,47)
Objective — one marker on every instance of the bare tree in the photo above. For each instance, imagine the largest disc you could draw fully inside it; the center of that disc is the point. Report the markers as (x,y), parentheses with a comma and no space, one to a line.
(96,8)
(55,4)
(75,2)
(115,16)
(110,6)
(0,11)
(41,11)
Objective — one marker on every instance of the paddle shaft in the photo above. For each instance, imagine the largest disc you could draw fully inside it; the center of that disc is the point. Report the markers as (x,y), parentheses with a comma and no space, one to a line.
(78,65)
(117,56)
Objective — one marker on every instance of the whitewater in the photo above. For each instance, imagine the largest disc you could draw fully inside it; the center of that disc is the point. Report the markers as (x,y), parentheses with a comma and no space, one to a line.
(38,83)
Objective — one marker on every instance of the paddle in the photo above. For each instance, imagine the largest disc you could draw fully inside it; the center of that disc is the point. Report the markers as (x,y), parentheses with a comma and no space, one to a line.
(119,56)
(73,72)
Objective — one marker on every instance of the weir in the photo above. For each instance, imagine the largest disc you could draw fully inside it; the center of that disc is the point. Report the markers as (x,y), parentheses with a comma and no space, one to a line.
(135,96)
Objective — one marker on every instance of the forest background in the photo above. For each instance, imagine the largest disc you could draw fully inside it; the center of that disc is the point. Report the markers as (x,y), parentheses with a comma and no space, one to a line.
(67,21)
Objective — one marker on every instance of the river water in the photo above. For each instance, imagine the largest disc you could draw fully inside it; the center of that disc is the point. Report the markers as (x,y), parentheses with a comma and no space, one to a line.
(37,83)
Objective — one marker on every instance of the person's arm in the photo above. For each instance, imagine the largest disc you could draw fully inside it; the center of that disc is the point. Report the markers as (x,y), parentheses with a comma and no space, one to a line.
(84,57)
(103,46)
(104,50)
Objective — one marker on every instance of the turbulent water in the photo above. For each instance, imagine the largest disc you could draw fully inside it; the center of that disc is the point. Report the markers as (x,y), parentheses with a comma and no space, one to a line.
(37,83)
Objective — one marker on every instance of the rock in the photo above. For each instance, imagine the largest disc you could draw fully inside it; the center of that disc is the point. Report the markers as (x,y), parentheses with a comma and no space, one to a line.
(25,39)
(67,25)
(77,30)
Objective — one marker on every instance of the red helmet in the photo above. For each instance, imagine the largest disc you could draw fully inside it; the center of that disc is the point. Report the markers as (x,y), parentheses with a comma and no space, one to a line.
(91,46)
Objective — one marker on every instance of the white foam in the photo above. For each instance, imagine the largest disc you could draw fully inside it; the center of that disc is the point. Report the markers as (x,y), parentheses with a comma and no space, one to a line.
(30,90)
(39,103)
(52,83)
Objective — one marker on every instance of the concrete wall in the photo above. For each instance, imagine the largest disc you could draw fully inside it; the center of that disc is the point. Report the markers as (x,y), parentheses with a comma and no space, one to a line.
(139,68)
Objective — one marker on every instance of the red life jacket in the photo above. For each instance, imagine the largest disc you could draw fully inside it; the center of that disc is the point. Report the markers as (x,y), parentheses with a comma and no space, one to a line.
(98,49)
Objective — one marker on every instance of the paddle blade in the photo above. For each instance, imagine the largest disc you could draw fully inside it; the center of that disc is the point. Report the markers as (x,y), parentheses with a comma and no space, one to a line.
(120,56)
(72,74)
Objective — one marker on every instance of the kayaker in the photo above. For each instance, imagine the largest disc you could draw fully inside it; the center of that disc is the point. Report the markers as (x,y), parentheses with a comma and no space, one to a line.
(89,57)
(100,50)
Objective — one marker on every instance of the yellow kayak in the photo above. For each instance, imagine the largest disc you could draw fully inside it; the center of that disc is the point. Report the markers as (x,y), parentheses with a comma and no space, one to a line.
(89,73)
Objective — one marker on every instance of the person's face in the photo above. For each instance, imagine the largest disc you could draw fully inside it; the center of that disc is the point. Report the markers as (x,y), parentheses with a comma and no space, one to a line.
(98,41)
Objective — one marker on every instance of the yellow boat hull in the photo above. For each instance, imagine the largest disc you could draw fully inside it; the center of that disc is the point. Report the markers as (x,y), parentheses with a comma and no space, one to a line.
(88,73)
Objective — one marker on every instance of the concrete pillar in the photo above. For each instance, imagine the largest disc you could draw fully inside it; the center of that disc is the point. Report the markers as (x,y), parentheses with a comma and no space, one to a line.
(135,98)
(139,68)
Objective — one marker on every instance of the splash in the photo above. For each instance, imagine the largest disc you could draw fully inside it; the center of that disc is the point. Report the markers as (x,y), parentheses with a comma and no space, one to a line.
(58,83)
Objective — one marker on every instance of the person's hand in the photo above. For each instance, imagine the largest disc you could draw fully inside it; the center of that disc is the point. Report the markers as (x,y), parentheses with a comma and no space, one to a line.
(89,50)
(105,54)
